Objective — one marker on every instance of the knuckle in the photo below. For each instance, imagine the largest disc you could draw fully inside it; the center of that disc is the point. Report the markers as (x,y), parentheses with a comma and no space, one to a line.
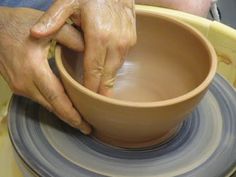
(51,97)
(94,68)
(108,80)
(17,87)
(94,73)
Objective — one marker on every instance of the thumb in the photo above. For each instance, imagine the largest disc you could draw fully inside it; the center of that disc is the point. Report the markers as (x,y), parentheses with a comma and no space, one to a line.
(53,19)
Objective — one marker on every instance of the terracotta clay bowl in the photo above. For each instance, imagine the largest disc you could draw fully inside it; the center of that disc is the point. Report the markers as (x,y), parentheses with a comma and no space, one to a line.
(162,80)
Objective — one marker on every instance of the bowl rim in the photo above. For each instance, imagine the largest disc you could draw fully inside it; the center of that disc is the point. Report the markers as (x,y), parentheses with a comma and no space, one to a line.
(194,92)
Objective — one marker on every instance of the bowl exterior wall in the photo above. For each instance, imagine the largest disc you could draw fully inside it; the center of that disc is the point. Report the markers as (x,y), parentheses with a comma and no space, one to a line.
(129,124)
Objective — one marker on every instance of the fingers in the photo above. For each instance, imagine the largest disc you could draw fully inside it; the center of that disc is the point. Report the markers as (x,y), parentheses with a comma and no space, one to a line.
(51,89)
(54,18)
(34,93)
(94,59)
(114,61)
(74,40)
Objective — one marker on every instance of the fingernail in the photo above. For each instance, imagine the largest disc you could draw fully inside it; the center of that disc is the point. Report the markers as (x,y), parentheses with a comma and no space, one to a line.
(85,128)
(39,27)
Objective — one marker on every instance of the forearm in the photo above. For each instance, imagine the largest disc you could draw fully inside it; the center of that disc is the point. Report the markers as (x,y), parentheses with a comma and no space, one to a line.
(197,7)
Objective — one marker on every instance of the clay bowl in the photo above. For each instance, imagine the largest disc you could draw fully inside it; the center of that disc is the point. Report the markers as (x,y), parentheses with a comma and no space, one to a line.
(162,80)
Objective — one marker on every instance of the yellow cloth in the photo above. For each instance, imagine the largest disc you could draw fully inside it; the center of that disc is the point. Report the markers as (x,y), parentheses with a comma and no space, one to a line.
(8,166)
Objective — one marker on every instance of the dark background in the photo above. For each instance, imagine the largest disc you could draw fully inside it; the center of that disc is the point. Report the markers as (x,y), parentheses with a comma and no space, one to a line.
(228,12)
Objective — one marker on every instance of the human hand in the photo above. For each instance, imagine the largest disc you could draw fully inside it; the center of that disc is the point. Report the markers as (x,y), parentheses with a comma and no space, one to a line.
(109,31)
(24,64)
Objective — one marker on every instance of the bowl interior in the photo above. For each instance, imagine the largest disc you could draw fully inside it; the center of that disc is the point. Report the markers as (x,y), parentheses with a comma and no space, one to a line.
(168,61)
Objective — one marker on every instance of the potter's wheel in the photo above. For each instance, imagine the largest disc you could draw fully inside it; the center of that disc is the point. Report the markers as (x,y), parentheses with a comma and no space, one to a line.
(205,145)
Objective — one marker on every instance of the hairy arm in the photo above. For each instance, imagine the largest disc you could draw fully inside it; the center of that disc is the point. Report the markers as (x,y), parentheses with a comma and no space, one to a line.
(196,7)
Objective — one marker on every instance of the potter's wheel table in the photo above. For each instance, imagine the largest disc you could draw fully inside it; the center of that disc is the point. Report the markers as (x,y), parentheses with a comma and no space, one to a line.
(204,146)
